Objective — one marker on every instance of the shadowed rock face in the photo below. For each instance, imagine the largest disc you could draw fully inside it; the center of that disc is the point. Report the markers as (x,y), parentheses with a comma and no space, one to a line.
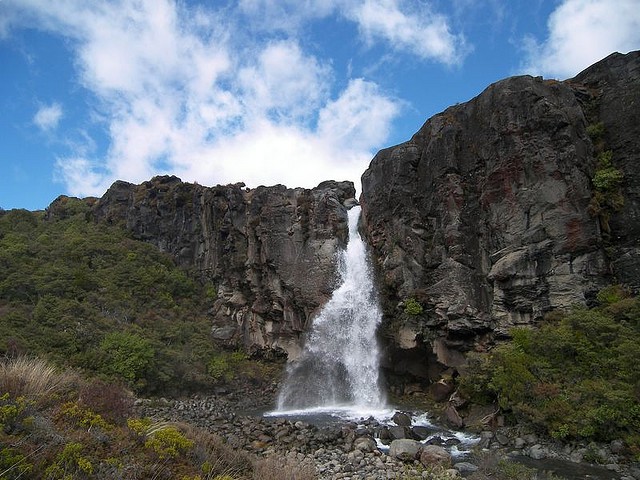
(484,215)
(270,252)
(613,86)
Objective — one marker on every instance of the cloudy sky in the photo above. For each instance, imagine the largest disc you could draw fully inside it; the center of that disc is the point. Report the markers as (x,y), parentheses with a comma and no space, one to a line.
(259,91)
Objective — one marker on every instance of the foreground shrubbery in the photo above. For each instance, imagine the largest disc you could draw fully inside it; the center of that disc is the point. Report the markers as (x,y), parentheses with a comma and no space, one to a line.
(576,377)
(60,427)
(86,295)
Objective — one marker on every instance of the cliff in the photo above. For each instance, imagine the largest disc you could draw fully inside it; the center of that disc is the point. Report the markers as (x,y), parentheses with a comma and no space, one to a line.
(522,201)
(269,252)
(497,211)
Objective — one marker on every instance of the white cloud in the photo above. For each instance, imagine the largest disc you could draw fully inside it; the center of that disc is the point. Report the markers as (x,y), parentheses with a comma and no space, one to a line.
(356,120)
(284,82)
(582,32)
(48,116)
(80,175)
(286,15)
(404,25)
(179,94)
(417,30)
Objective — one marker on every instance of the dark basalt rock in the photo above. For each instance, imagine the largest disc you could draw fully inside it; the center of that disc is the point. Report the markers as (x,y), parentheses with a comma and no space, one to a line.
(270,252)
(483,216)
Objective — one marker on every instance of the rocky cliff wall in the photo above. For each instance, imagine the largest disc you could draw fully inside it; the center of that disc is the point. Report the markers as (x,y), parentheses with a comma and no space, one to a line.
(488,216)
(270,252)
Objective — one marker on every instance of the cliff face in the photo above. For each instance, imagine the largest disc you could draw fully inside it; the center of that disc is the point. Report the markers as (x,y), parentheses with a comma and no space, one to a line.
(524,200)
(269,252)
(489,216)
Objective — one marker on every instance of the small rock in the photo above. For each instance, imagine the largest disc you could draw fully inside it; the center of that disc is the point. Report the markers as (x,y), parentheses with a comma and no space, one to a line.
(537,452)
(465,467)
(616,446)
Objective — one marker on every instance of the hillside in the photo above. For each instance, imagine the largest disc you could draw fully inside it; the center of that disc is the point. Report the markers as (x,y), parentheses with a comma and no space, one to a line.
(88,296)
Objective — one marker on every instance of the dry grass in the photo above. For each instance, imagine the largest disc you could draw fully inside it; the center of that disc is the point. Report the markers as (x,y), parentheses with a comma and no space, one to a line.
(217,458)
(31,378)
(283,469)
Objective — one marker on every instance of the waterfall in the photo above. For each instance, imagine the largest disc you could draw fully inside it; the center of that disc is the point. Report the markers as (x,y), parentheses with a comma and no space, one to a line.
(339,366)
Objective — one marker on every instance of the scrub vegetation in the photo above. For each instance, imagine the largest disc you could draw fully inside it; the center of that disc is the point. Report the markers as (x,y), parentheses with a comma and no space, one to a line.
(60,425)
(85,295)
(574,378)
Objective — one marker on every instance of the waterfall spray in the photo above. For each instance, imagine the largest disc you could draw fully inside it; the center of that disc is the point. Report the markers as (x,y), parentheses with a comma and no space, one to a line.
(340,363)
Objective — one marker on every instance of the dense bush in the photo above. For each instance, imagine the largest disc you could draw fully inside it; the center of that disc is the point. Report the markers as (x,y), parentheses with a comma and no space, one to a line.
(86,295)
(574,378)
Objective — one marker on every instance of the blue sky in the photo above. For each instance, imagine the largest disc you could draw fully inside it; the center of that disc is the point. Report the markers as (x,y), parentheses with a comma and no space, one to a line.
(259,91)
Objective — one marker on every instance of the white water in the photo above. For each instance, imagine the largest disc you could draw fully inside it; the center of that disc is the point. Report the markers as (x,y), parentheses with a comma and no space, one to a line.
(339,367)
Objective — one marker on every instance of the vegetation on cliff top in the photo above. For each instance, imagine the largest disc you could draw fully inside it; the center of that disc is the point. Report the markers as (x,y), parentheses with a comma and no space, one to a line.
(574,378)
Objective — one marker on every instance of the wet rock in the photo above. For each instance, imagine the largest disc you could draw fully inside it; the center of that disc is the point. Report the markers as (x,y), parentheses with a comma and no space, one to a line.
(420,432)
(401,419)
(538,452)
(453,417)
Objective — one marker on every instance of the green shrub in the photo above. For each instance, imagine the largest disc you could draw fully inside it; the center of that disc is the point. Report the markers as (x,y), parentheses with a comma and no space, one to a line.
(14,413)
(611,294)
(225,366)
(575,378)
(607,177)
(13,464)
(83,416)
(69,461)
(168,442)
(596,131)
(162,438)
(127,356)
(412,307)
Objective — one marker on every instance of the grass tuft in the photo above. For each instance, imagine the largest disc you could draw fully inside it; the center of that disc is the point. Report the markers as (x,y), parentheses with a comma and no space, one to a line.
(30,377)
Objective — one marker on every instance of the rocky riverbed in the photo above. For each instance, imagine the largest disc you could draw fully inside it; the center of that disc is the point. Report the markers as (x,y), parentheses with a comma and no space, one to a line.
(370,449)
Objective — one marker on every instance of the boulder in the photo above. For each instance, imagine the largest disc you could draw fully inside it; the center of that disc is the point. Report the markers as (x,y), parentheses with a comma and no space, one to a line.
(365,444)
(397,432)
(404,449)
(401,419)
(538,452)
(435,455)
(453,417)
